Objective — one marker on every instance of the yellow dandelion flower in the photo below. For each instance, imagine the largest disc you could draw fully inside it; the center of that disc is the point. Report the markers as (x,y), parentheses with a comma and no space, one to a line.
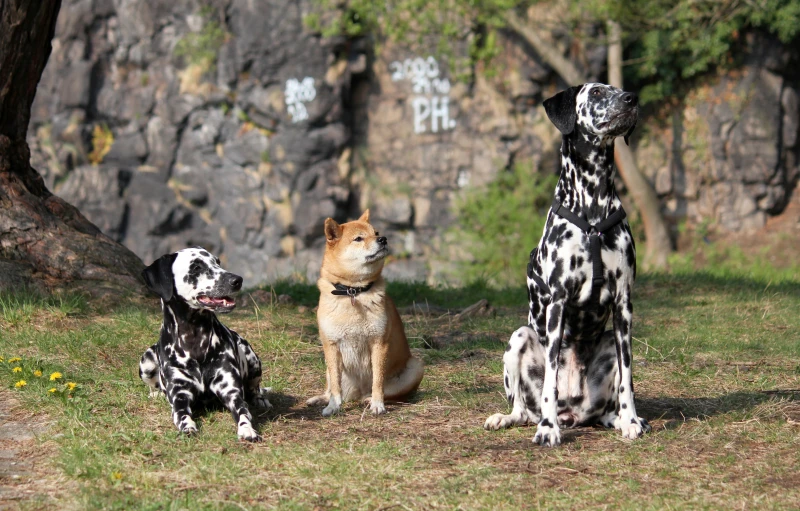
(55,376)
(1,359)
(12,360)
(17,369)
(116,476)
(37,373)
(20,384)
(71,385)
(53,390)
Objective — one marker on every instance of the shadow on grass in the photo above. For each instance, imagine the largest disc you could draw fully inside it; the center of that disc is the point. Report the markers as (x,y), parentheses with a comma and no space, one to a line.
(675,288)
(665,285)
(663,288)
(677,410)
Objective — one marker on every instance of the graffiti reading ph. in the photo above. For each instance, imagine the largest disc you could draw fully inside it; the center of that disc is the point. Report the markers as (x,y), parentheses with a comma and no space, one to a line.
(297,94)
(430,104)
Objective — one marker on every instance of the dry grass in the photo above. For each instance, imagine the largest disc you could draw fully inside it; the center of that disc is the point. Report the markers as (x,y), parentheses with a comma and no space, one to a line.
(726,416)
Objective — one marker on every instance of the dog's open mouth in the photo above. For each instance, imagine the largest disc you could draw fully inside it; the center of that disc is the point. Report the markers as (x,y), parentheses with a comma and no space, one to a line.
(217,302)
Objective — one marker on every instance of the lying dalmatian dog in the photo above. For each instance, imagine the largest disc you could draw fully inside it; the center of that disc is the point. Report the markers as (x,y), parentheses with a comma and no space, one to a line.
(196,356)
(564,369)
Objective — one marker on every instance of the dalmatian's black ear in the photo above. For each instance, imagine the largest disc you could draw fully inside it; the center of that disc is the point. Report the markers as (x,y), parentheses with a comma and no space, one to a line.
(159,277)
(629,133)
(561,110)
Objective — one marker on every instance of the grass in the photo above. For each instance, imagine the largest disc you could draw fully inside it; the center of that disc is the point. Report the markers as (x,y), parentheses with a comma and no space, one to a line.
(717,368)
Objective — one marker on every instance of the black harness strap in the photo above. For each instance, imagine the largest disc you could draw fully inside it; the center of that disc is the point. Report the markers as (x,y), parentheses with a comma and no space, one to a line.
(594,232)
(352,292)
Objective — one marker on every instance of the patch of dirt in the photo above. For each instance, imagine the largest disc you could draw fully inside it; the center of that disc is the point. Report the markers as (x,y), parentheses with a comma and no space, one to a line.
(24,460)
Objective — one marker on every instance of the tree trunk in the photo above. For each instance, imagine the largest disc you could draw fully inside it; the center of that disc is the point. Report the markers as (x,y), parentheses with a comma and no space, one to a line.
(643,195)
(45,243)
(658,243)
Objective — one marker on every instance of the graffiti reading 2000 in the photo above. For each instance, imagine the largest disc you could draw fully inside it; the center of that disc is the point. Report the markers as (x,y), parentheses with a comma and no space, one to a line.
(430,104)
(297,93)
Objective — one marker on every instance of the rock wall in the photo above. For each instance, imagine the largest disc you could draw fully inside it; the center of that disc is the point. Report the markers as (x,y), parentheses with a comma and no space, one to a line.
(728,157)
(228,124)
(240,152)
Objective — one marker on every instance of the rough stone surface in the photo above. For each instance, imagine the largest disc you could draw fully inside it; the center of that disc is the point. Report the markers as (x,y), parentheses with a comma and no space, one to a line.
(247,155)
(730,156)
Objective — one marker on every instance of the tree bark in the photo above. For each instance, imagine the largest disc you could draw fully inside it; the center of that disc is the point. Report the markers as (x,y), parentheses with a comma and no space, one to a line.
(45,243)
(658,242)
(565,69)
(644,197)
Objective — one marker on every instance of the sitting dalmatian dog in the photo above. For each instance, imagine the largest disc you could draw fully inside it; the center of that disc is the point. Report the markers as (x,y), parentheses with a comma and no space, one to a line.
(196,356)
(564,369)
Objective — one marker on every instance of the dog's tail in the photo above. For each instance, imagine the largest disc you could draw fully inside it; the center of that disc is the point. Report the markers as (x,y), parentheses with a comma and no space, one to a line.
(406,381)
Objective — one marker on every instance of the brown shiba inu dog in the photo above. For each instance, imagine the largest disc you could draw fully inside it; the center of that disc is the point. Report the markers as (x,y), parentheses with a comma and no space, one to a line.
(366,351)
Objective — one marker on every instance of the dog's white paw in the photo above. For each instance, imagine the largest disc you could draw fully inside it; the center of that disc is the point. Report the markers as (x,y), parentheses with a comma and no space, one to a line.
(188,426)
(247,433)
(261,399)
(155,393)
(635,428)
(499,421)
(546,435)
(262,402)
(334,404)
(330,410)
(377,407)
(322,399)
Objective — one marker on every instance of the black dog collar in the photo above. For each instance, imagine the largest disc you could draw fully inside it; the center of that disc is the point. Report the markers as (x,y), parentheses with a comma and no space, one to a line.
(352,292)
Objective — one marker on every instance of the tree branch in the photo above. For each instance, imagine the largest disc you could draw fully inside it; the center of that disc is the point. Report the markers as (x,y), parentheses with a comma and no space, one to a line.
(565,69)
(644,197)
(642,193)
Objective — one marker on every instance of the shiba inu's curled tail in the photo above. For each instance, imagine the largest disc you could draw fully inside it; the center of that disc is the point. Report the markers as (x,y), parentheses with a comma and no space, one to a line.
(406,381)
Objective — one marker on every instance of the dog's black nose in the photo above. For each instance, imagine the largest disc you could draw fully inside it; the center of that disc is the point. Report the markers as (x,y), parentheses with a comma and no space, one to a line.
(382,240)
(630,98)
(236,281)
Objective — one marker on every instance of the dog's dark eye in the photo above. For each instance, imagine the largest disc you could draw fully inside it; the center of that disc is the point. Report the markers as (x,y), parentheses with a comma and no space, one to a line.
(377,233)
(596,92)
(358,238)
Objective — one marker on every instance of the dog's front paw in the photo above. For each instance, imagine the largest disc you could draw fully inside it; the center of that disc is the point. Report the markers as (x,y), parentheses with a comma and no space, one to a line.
(499,421)
(261,400)
(334,405)
(636,428)
(547,435)
(322,399)
(247,433)
(155,393)
(188,427)
(377,407)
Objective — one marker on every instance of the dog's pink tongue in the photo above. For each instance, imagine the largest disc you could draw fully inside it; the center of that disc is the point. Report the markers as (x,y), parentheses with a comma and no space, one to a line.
(224,301)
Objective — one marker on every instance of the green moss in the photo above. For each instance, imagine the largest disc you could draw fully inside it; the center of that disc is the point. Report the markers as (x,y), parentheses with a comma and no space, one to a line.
(202,48)
(102,140)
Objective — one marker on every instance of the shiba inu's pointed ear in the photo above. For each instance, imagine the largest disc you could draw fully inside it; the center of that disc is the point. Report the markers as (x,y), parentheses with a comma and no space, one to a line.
(333,231)
(364,217)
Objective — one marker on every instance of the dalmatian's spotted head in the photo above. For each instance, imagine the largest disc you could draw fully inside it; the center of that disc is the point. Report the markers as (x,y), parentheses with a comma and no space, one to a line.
(596,109)
(194,276)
